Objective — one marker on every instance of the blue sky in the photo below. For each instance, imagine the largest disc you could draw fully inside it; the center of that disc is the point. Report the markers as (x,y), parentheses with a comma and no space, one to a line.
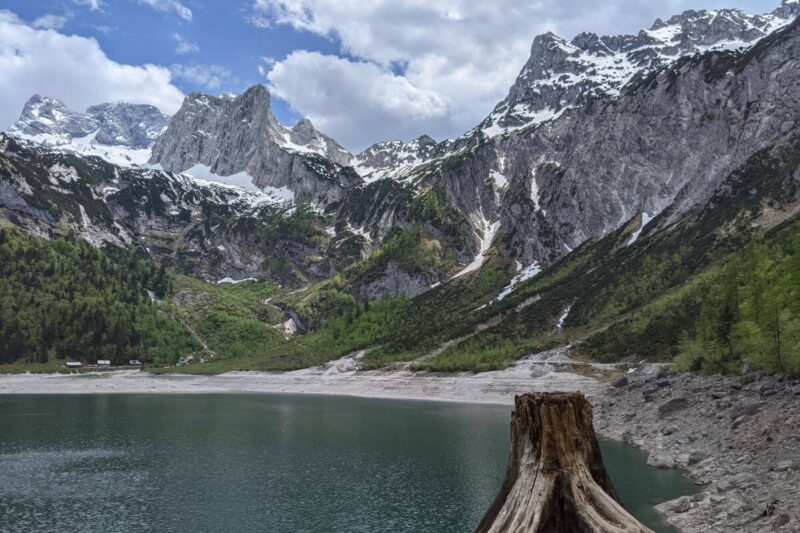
(362,70)
(132,33)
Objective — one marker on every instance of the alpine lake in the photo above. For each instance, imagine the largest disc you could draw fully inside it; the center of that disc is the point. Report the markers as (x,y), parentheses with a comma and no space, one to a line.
(266,462)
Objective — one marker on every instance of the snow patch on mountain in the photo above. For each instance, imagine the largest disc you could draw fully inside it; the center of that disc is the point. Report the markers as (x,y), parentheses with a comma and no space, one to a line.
(563,317)
(240,179)
(489,232)
(88,146)
(523,275)
(499,179)
(646,219)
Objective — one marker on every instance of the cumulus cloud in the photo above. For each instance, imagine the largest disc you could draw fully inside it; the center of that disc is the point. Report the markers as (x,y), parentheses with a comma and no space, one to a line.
(207,76)
(73,69)
(50,22)
(467,53)
(168,6)
(337,95)
(182,46)
(91,4)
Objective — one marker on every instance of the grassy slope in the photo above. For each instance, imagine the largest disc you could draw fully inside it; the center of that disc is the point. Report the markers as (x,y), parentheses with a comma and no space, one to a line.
(242,329)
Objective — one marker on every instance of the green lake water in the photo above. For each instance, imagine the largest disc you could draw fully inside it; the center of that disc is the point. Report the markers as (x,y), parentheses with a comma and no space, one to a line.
(273,463)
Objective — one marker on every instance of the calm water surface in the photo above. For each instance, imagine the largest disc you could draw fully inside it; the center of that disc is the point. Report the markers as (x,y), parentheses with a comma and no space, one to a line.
(277,463)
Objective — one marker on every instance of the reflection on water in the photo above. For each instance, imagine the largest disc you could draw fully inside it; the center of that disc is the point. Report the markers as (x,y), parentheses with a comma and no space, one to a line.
(239,463)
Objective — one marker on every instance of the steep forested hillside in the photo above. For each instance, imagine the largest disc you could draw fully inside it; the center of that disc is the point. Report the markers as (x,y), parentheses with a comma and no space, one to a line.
(64,299)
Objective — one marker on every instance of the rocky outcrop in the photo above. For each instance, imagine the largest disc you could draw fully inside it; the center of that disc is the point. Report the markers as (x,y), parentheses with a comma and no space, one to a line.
(556,481)
(738,438)
(231,134)
(393,280)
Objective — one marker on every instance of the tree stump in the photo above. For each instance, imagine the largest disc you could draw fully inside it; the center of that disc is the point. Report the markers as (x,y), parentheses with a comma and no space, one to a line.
(556,481)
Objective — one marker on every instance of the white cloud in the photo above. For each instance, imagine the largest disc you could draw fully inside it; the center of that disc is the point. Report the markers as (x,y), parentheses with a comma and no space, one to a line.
(208,76)
(73,69)
(341,97)
(467,53)
(183,46)
(266,66)
(91,4)
(50,22)
(167,6)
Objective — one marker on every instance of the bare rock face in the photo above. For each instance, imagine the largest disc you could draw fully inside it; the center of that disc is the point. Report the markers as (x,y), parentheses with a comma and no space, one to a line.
(133,125)
(666,143)
(556,481)
(394,280)
(231,134)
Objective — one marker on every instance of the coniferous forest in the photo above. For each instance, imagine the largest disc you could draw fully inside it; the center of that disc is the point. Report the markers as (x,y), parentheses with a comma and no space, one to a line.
(64,299)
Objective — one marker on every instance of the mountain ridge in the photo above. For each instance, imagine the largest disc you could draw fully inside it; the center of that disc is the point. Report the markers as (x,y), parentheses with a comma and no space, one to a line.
(409,217)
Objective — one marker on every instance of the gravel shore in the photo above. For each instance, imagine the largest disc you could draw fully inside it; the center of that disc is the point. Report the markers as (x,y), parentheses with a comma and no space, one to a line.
(738,437)
(548,371)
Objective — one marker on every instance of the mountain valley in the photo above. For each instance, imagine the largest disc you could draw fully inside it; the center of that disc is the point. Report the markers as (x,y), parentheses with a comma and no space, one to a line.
(621,178)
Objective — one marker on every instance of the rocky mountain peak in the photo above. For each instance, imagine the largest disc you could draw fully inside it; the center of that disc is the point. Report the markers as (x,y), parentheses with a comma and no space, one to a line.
(561,74)
(304,127)
(391,159)
(426,140)
(227,135)
(44,115)
(591,42)
(658,24)
(304,134)
(38,105)
(120,132)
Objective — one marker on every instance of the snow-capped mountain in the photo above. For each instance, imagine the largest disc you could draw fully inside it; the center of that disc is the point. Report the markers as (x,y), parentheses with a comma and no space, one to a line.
(560,74)
(228,135)
(120,132)
(597,133)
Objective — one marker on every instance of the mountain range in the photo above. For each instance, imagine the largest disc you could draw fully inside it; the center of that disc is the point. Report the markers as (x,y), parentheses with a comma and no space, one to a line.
(607,151)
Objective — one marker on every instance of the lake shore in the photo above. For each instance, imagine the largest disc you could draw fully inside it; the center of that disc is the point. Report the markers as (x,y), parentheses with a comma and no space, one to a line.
(737,436)
(548,371)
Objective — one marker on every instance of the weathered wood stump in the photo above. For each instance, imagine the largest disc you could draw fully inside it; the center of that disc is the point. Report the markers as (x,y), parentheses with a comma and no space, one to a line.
(556,481)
